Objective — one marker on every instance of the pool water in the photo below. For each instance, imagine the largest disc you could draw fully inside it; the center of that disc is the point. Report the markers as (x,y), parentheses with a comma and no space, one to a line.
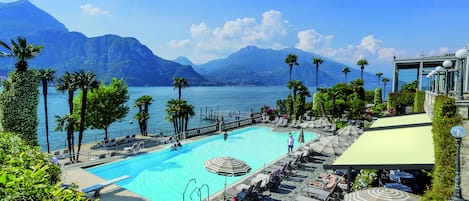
(163,175)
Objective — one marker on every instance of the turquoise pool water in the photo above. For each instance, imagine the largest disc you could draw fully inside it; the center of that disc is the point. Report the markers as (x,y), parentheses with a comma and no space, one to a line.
(163,175)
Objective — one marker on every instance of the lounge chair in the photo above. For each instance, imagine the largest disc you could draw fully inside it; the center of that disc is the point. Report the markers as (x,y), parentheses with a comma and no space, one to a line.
(98,187)
(284,123)
(132,148)
(275,121)
(279,121)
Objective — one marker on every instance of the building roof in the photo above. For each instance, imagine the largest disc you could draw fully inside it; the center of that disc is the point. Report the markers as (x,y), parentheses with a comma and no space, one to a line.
(403,142)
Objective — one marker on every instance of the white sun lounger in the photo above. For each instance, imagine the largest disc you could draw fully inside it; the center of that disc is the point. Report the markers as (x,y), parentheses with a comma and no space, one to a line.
(98,187)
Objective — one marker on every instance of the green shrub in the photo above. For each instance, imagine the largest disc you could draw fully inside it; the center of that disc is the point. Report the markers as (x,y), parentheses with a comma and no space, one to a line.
(18,103)
(28,174)
(364,179)
(399,100)
(378,96)
(444,118)
(419,100)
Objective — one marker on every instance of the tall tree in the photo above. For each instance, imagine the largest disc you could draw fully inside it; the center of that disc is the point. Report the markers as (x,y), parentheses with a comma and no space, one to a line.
(106,105)
(291,60)
(178,112)
(180,83)
(294,85)
(317,61)
(46,75)
(67,83)
(20,95)
(68,122)
(22,51)
(385,81)
(379,74)
(143,114)
(345,70)
(362,63)
(85,81)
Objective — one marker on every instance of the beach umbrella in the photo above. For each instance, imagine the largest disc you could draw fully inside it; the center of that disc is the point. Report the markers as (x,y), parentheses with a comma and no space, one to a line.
(380,194)
(301,137)
(228,167)
(330,145)
(350,130)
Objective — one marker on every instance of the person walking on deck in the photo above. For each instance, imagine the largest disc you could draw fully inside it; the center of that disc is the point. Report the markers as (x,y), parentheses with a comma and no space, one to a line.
(290,142)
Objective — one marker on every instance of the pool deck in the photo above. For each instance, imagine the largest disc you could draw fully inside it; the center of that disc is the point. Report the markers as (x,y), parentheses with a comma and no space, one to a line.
(76,173)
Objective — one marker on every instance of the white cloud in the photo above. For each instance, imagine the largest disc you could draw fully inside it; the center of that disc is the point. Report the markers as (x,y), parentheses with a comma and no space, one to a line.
(440,51)
(217,42)
(93,10)
(369,43)
(179,44)
(311,40)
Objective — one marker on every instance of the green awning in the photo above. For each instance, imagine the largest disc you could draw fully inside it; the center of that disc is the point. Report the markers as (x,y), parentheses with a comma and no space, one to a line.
(405,147)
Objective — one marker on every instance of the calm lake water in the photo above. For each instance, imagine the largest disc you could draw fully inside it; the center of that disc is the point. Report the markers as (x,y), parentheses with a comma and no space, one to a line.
(235,99)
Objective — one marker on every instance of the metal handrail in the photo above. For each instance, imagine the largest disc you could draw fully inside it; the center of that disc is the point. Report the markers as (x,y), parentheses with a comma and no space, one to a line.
(187,185)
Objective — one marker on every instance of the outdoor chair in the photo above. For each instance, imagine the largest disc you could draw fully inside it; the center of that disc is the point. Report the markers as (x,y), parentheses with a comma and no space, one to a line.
(132,148)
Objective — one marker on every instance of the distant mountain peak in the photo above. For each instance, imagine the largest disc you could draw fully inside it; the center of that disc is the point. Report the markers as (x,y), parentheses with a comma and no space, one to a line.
(184,61)
(20,14)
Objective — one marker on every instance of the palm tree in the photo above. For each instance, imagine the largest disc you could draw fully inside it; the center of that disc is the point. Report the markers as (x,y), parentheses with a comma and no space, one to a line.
(345,70)
(180,83)
(294,85)
(291,60)
(317,61)
(143,115)
(362,63)
(385,81)
(379,74)
(85,81)
(22,51)
(68,121)
(67,83)
(46,75)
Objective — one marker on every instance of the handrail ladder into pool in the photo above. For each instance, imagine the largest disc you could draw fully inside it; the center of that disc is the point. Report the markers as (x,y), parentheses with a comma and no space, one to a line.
(98,187)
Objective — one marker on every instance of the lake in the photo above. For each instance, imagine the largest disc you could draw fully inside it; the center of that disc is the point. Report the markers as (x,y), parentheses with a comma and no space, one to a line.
(233,100)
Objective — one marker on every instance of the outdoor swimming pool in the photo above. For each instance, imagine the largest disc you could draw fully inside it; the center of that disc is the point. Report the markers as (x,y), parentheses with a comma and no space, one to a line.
(163,175)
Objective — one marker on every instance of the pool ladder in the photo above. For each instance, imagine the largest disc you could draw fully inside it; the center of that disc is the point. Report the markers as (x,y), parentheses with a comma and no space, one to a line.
(194,190)
(199,193)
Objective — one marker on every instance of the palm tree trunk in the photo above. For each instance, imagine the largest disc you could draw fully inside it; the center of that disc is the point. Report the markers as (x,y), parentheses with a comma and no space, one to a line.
(105,132)
(317,71)
(361,72)
(179,93)
(384,91)
(44,93)
(291,66)
(345,79)
(82,119)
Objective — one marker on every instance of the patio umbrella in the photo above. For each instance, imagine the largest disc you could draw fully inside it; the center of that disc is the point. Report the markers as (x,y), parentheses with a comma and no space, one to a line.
(301,137)
(330,145)
(350,130)
(228,167)
(380,194)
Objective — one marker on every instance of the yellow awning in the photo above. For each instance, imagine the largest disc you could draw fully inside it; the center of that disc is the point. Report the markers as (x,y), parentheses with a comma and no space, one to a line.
(408,144)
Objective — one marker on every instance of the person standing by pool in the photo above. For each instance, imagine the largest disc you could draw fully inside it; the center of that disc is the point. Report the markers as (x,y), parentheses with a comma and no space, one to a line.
(225,135)
(290,142)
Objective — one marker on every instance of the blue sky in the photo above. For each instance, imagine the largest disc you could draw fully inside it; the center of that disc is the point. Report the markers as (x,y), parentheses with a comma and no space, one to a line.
(345,31)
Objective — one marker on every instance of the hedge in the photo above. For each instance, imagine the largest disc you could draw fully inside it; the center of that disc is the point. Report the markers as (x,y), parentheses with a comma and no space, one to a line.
(419,100)
(444,118)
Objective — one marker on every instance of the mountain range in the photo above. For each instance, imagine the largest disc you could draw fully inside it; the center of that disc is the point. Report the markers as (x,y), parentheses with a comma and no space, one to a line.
(125,57)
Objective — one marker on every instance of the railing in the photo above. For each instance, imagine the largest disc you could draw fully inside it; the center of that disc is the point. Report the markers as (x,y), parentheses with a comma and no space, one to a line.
(121,142)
